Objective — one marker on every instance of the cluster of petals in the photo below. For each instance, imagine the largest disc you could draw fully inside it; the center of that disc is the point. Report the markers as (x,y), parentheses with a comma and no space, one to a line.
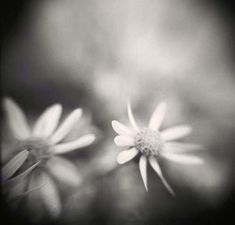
(171,149)
(48,136)
(48,131)
(8,177)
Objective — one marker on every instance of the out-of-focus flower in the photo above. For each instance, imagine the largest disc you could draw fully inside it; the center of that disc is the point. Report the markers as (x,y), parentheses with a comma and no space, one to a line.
(151,143)
(44,145)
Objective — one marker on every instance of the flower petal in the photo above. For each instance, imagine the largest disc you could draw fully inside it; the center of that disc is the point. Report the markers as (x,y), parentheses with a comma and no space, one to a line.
(124,141)
(31,190)
(153,162)
(48,121)
(174,133)
(16,119)
(158,116)
(64,171)
(34,200)
(143,170)
(17,190)
(177,147)
(13,181)
(126,155)
(73,145)
(66,126)
(49,194)
(131,117)
(14,164)
(184,159)
(121,129)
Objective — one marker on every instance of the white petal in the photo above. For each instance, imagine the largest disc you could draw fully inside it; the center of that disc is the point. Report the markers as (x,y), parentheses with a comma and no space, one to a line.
(66,126)
(14,164)
(177,147)
(143,170)
(81,142)
(124,141)
(48,121)
(33,200)
(184,159)
(158,116)
(126,155)
(153,162)
(174,133)
(49,194)
(131,117)
(16,119)
(13,181)
(64,171)
(18,189)
(121,129)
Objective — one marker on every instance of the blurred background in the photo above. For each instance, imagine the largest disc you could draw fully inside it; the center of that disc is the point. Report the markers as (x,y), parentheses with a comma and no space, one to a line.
(94,54)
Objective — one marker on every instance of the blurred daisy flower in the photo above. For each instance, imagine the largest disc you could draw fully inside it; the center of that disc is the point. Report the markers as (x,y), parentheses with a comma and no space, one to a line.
(43,143)
(151,143)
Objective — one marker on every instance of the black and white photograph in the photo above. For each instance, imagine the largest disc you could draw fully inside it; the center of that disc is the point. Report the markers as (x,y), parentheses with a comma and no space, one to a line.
(118,112)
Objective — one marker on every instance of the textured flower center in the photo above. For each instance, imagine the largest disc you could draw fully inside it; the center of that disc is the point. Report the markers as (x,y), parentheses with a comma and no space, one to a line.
(39,150)
(148,142)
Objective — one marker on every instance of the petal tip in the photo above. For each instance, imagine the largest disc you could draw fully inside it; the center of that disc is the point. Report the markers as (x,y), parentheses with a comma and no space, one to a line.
(58,106)
(116,140)
(113,123)
(119,161)
(78,112)
(92,138)
(146,188)
(190,128)
(7,101)
(115,126)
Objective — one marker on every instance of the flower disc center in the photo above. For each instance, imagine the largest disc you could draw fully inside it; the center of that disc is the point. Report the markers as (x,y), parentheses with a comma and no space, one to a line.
(148,142)
(39,150)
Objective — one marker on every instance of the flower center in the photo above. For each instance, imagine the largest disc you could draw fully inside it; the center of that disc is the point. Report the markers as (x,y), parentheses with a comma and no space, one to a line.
(39,150)
(148,142)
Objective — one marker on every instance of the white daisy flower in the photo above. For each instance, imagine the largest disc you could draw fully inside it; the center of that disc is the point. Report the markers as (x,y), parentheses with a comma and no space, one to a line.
(44,143)
(151,143)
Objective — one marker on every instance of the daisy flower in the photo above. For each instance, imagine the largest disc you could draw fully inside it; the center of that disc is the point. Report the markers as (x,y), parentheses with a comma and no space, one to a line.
(152,144)
(44,143)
